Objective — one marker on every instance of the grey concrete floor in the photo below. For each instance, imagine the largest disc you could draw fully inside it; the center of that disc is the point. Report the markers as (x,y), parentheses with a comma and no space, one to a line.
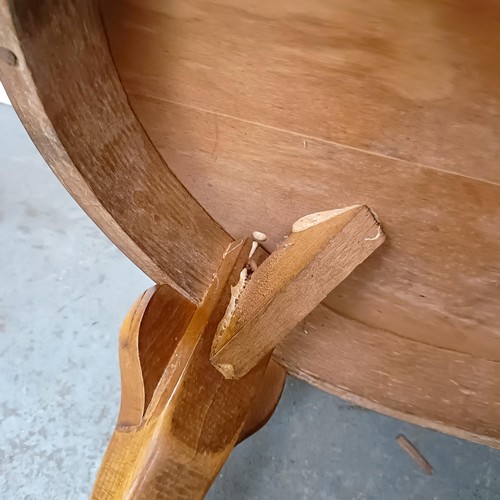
(63,294)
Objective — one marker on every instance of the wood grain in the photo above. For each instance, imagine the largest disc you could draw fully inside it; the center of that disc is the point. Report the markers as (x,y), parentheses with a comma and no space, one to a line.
(148,338)
(266,400)
(418,81)
(320,252)
(436,278)
(438,388)
(195,416)
(68,94)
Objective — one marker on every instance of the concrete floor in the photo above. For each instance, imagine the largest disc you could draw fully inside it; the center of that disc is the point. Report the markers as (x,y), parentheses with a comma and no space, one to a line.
(64,291)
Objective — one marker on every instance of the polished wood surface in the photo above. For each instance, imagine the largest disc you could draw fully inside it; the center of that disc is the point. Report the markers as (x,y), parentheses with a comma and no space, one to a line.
(148,338)
(266,400)
(194,417)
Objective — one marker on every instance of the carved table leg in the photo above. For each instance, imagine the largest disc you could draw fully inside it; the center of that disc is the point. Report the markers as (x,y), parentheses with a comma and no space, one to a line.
(180,418)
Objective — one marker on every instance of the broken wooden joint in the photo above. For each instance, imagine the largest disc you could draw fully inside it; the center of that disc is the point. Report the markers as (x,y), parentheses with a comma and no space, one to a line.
(180,418)
(321,251)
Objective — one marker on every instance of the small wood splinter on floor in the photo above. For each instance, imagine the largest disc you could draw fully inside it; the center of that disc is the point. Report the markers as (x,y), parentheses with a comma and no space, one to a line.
(415,454)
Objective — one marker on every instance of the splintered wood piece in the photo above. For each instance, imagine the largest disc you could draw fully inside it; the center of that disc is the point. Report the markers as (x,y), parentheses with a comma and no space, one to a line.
(415,454)
(322,250)
(180,418)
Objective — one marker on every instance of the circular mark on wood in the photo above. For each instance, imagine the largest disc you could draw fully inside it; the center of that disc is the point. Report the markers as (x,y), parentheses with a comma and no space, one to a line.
(8,56)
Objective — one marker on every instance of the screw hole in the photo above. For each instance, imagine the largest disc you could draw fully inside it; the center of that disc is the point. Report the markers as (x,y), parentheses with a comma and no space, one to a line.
(8,56)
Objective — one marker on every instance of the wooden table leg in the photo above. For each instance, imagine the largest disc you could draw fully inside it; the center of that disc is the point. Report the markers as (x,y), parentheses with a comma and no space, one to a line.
(180,418)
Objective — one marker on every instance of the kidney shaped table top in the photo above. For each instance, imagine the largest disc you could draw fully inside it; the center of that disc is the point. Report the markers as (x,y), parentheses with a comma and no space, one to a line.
(181,125)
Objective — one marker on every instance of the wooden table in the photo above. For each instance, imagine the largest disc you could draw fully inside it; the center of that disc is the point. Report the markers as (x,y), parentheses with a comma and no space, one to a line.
(179,126)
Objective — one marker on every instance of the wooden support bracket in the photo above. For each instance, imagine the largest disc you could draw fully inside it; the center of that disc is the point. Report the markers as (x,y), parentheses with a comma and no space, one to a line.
(322,250)
(180,417)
